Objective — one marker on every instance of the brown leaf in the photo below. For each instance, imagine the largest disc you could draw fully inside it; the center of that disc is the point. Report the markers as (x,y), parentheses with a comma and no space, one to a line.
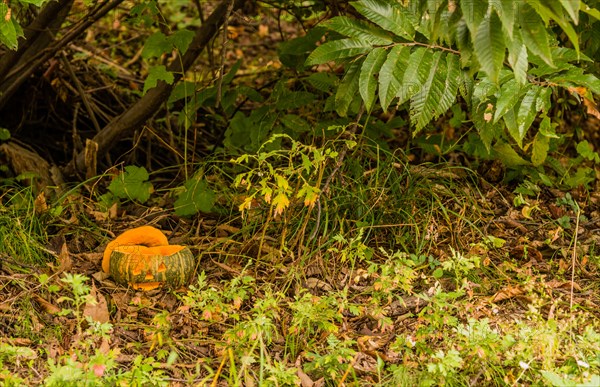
(508,292)
(65,263)
(305,380)
(39,204)
(45,305)
(96,307)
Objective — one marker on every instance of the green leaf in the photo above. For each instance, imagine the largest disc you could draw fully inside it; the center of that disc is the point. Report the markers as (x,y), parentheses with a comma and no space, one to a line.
(322,81)
(508,96)
(367,81)
(526,114)
(390,75)
(37,3)
(415,73)
(295,123)
(506,11)
(534,33)
(389,16)
(473,11)
(10,30)
(196,197)
(156,45)
(509,156)
(4,134)
(293,53)
(489,45)
(347,89)
(181,40)
(424,104)
(450,85)
(359,29)
(132,184)
(517,58)
(155,74)
(572,8)
(337,49)
(539,152)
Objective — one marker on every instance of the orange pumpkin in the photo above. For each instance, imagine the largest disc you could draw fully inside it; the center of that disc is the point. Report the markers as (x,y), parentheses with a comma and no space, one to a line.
(143,259)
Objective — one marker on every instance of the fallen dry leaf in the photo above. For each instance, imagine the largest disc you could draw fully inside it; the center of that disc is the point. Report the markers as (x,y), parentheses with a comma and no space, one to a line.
(508,292)
(45,305)
(96,308)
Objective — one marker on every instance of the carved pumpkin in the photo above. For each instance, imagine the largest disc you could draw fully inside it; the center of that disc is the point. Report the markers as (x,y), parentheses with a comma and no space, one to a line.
(142,258)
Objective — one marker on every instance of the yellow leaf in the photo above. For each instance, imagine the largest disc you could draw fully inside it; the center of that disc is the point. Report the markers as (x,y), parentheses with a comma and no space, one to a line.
(281,202)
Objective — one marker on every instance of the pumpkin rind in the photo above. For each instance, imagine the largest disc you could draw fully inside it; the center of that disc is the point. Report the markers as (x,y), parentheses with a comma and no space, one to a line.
(145,235)
(150,267)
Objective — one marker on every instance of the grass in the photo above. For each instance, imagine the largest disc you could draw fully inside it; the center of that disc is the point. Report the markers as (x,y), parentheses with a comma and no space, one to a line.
(403,276)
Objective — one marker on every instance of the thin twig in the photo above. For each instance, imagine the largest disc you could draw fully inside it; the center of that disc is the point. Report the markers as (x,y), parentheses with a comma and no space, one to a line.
(223,51)
(574,255)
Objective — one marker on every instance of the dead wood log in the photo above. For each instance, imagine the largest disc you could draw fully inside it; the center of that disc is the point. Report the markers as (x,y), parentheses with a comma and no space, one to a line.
(149,104)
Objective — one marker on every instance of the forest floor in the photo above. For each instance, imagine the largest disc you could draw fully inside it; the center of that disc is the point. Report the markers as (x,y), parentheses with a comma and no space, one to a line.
(412,268)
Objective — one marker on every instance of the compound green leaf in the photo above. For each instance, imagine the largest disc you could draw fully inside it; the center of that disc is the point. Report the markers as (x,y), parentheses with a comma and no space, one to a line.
(489,45)
(196,197)
(359,29)
(337,49)
(390,75)
(367,82)
(387,15)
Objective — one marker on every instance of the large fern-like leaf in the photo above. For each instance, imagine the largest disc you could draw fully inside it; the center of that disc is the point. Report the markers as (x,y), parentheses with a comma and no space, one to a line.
(347,89)
(390,75)
(367,82)
(415,73)
(387,15)
(489,45)
(359,29)
(337,49)
(423,105)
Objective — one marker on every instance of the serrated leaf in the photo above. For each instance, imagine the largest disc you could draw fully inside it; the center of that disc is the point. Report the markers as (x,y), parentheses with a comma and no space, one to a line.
(534,33)
(337,49)
(526,114)
(156,45)
(423,105)
(489,45)
(367,81)
(155,74)
(507,98)
(196,197)
(450,85)
(390,75)
(517,58)
(132,184)
(473,11)
(387,15)
(358,29)
(295,123)
(347,89)
(181,40)
(323,81)
(506,12)
(572,8)
(415,73)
